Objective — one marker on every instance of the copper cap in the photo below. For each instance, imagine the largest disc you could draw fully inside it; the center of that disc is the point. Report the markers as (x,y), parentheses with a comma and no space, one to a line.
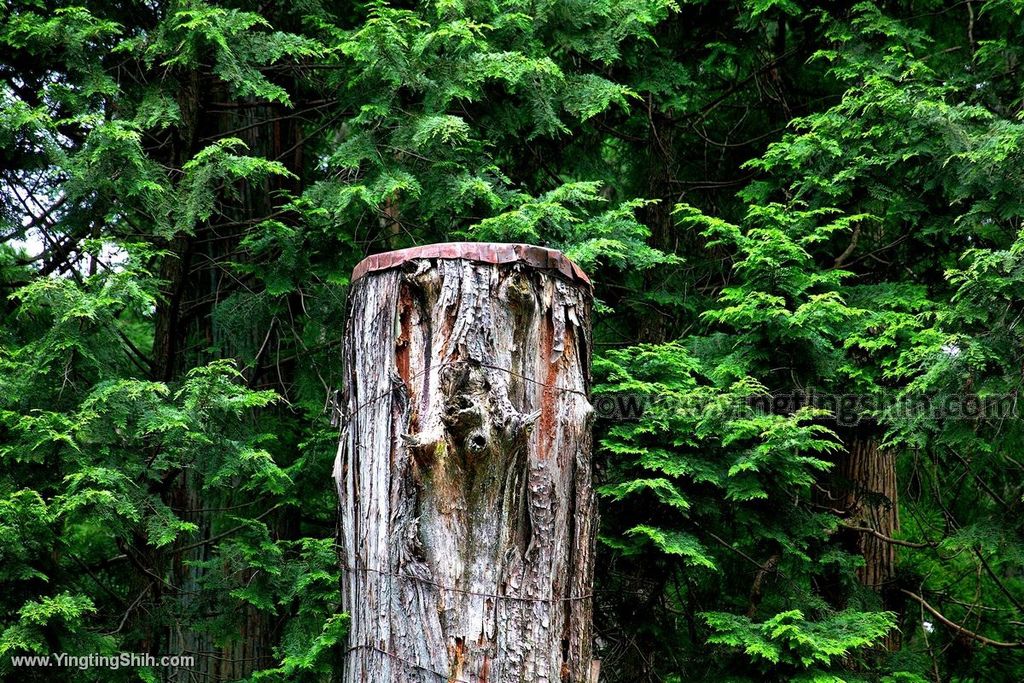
(482,252)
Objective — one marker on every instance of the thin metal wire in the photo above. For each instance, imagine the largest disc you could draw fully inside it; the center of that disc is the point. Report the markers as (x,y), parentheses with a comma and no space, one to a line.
(402,660)
(344,416)
(464,591)
(449,677)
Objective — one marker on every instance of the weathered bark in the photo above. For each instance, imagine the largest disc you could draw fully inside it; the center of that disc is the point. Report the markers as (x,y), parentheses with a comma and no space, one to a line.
(871,500)
(467,513)
(867,488)
(185,328)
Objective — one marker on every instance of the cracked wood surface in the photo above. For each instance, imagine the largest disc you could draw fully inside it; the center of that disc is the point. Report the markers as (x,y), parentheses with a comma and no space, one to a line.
(467,514)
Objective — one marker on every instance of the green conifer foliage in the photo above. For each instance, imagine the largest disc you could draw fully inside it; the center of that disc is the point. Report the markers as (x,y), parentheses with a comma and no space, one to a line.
(777,200)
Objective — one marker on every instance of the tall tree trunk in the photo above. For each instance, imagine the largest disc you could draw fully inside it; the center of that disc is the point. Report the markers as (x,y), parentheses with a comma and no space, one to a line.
(870,497)
(867,493)
(185,328)
(467,513)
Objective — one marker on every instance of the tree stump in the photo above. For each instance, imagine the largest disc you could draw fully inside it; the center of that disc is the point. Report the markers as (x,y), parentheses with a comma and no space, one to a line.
(467,513)
(464,469)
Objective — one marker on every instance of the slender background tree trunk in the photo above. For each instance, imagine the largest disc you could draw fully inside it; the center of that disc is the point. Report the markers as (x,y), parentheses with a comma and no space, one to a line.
(467,513)
(863,489)
(871,498)
(185,329)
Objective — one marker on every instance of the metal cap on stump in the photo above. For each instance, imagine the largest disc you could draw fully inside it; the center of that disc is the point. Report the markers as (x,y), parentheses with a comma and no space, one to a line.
(467,513)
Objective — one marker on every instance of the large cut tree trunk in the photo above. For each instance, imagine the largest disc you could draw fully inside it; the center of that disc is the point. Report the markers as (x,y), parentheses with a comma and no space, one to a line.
(467,513)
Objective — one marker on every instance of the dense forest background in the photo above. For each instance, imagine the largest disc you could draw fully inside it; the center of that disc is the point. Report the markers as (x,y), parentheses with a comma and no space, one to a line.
(803,223)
